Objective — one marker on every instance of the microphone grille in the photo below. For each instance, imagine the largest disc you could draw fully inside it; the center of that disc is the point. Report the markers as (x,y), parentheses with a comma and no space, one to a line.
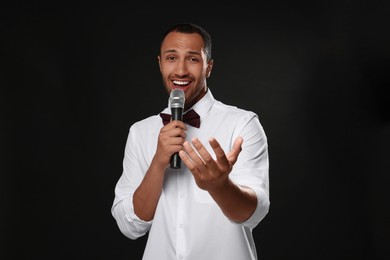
(177,98)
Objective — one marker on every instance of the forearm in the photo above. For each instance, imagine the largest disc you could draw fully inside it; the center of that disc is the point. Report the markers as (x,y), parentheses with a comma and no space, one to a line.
(146,196)
(237,202)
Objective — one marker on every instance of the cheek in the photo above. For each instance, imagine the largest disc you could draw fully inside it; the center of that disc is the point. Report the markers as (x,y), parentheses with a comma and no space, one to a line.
(163,71)
(165,68)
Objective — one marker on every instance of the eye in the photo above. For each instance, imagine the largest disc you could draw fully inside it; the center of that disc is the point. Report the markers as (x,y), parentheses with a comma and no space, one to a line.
(170,58)
(193,59)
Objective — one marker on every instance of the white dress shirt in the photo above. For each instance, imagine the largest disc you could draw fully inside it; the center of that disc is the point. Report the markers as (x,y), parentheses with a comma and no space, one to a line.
(188,224)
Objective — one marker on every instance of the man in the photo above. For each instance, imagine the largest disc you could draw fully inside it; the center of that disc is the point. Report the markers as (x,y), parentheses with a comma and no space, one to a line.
(207,208)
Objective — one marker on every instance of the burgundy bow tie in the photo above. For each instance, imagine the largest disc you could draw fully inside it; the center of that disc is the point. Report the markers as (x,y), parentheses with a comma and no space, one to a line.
(190,117)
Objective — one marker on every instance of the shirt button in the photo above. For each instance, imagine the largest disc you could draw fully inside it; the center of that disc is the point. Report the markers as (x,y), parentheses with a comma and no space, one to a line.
(180,257)
(181,225)
(181,195)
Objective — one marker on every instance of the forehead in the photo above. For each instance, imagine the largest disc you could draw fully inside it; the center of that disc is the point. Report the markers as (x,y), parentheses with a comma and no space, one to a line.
(176,41)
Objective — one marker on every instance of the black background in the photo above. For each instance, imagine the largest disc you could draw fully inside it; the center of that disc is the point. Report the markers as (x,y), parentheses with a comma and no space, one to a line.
(316,73)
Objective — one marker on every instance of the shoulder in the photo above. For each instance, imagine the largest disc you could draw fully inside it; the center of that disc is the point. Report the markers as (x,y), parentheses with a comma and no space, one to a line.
(147,124)
(232,112)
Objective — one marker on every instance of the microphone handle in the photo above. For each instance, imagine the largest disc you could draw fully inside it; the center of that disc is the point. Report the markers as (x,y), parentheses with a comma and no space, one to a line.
(177,114)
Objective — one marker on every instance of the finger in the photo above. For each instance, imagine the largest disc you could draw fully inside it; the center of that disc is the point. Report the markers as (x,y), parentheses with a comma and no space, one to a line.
(219,152)
(204,154)
(173,132)
(196,159)
(176,124)
(236,149)
(177,132)
(176,141)
(188,162)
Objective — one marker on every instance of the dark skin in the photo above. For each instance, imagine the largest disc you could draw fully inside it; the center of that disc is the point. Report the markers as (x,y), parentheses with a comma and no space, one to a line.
(183,65)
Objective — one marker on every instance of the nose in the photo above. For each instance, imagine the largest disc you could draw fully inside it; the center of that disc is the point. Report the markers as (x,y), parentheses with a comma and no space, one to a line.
(181,69)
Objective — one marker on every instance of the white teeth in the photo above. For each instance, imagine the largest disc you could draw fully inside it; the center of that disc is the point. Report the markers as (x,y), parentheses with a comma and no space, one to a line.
(182,83)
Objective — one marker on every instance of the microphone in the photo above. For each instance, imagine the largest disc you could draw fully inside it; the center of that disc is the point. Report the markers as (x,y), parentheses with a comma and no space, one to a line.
(176,100)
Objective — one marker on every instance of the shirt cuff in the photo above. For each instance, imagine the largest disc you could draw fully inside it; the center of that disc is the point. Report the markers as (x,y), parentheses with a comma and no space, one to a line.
(260,212)
(140,226)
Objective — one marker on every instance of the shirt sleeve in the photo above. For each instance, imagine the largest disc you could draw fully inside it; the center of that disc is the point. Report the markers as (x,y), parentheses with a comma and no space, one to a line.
(252,166)
(122,209)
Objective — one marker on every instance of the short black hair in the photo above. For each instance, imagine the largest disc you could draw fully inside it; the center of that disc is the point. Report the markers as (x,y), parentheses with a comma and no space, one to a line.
(192,28)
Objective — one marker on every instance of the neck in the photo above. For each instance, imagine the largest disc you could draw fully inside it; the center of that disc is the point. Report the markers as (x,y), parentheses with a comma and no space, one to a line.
(201,94)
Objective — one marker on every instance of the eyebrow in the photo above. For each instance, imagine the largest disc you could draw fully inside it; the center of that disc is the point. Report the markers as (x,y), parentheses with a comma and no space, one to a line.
(174,51)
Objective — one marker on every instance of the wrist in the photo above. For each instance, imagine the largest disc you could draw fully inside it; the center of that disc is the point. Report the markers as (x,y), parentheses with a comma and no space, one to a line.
(221,188)
(158,164)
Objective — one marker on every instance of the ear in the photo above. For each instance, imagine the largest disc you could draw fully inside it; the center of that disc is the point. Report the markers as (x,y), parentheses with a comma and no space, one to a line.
(159,61)
(209,68)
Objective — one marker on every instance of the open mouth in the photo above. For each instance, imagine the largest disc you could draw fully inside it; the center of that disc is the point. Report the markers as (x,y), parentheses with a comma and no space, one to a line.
(181,83)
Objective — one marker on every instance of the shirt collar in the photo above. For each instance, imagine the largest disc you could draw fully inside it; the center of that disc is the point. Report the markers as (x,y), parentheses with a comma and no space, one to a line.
(202,107)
